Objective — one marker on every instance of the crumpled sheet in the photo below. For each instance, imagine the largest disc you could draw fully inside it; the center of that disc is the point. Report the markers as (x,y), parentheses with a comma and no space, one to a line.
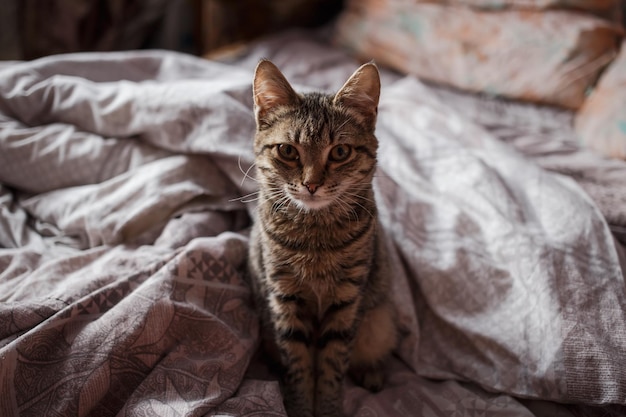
(123,241)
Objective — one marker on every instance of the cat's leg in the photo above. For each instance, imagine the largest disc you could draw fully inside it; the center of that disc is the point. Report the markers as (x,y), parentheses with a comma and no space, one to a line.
(298,385)
(293,339)
(376,337)
(333,358)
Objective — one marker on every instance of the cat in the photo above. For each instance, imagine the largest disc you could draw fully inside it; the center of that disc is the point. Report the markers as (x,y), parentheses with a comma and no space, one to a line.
(317,254)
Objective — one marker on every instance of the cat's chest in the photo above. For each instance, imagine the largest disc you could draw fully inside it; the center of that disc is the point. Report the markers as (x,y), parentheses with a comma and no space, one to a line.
(317,263)
(316,279)
(317,272)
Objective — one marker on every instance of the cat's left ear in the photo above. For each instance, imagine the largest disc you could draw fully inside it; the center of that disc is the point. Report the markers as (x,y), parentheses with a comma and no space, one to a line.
(360,94)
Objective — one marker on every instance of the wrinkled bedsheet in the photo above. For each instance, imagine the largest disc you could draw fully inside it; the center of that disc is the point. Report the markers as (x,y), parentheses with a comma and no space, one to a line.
(125,207)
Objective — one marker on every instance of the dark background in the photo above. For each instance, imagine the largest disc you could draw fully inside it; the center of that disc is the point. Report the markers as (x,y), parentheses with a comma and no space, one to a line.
(34,28)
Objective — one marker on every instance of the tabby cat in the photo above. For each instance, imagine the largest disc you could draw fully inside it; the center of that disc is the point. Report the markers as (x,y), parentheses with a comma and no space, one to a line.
(317,258)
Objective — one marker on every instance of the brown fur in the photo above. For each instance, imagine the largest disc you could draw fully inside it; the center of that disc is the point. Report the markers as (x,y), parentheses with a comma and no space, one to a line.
(317,257)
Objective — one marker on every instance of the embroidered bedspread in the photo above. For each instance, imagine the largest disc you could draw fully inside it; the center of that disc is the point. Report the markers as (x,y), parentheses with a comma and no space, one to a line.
(123,236)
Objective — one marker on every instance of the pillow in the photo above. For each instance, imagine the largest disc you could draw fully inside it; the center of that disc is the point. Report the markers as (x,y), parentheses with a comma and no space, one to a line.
(551,56)
(601,122)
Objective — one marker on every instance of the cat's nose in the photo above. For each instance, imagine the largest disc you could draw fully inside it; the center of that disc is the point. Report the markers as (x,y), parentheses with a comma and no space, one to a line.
(312,187)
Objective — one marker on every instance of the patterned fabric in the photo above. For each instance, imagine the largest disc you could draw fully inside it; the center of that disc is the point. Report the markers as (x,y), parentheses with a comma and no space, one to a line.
(550,56)
(129,343)
(122,287)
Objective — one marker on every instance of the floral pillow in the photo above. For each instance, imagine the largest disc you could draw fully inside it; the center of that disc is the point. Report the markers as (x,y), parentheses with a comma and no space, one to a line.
(601,122)
(550,56)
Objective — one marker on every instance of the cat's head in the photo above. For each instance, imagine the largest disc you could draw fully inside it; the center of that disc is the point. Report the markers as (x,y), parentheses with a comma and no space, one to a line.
(315,150)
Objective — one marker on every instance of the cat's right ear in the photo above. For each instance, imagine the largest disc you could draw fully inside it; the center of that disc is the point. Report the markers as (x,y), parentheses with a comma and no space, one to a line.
(271,90)
(361,93)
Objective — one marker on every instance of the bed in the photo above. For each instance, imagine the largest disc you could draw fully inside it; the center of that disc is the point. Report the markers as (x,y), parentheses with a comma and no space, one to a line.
(125,201)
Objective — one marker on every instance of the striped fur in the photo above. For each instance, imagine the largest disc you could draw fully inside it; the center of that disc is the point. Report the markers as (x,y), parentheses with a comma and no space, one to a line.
(316,256)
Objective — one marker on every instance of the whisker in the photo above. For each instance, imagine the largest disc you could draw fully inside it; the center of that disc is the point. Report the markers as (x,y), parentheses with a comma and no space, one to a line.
(359,196)
(280,203)
(347,209)
(246,198)
(354,201)
(338,128)
(246,172)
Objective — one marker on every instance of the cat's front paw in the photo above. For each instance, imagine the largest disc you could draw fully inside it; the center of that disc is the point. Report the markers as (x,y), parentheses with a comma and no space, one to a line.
(297,410)
(298,406)
(329,409)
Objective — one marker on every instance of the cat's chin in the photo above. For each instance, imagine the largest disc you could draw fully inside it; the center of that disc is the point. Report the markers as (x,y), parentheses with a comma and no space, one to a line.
(311,203)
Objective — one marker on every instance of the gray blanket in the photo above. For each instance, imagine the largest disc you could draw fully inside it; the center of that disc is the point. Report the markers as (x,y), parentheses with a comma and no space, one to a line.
(123,240)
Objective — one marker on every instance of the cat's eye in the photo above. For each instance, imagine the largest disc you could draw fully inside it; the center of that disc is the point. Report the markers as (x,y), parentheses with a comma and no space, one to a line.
(340,153)
(288,152)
